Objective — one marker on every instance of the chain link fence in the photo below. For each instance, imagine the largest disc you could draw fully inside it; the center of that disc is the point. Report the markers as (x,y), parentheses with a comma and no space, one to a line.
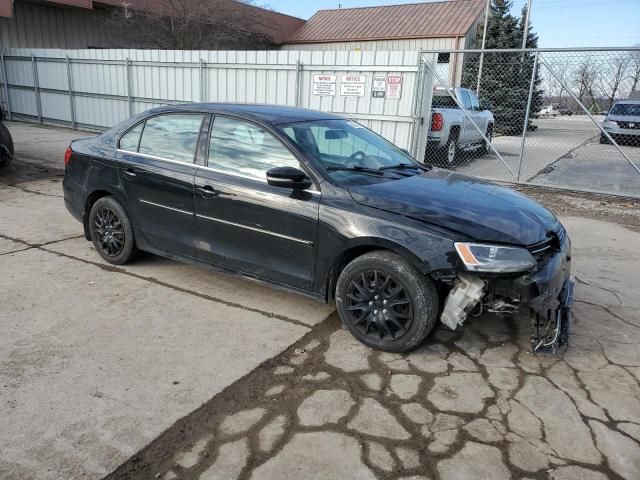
(558,118)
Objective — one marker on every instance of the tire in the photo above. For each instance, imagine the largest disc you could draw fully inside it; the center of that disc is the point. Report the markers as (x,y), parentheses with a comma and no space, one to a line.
(489,134)
(604,140)
(449,155)
(111,231)
(6,146)
(380,282)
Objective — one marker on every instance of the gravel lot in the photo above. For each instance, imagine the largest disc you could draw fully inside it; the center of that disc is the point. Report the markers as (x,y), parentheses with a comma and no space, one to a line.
(161,370)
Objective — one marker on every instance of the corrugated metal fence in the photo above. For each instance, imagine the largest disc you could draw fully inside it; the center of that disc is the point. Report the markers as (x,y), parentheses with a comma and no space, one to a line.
(96,89)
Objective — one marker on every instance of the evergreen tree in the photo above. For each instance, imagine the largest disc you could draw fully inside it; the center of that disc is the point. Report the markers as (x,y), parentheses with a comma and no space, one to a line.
(505,76)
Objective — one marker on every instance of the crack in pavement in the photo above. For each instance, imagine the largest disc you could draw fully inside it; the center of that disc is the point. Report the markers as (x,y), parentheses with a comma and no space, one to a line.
(115,269)
(615,294)
(608,310)
(164,457)
(34,192)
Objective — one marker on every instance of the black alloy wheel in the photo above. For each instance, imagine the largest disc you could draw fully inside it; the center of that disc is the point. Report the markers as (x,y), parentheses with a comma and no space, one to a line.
(109,231)
(385,302)
(379,306)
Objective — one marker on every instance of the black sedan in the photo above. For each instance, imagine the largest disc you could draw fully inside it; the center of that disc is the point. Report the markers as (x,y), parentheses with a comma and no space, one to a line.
(318,204)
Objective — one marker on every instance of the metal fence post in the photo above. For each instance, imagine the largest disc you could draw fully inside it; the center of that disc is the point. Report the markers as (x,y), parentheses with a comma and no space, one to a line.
(6,85)
(526,115)
(36,86)
(202,85)
(72,107)
(298,75)
(129,97)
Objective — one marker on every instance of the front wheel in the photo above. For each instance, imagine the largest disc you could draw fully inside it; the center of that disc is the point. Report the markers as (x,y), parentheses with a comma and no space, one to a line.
(385,302)
(111,231)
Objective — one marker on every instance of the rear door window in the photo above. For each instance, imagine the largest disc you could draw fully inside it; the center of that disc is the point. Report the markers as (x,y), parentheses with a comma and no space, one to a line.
(242,148)
(171,136)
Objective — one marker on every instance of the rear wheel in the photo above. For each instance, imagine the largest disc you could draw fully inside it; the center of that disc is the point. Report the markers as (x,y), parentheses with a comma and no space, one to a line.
(451,152)
(486,147)
(111,231)
(385,302)
(6,146)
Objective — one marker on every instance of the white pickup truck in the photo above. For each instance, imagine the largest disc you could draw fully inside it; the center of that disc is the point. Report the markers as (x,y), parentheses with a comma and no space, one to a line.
(451,132)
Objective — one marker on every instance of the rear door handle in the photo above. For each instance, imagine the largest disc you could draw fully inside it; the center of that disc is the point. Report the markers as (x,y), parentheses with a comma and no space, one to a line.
(130,173)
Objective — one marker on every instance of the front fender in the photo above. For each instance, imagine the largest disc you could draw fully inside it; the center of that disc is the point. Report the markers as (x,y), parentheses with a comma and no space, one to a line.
(345,234)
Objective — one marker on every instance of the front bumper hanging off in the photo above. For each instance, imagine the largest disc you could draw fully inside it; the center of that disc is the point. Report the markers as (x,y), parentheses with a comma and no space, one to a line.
(547,292)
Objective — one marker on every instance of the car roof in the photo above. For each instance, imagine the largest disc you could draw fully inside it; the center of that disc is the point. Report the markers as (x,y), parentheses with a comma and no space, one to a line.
(272,114)
(626,102)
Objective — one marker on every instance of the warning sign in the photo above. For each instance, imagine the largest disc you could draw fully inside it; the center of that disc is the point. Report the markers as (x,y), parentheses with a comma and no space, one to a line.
(394,86)
(353,85)
(379,86)
(324,85)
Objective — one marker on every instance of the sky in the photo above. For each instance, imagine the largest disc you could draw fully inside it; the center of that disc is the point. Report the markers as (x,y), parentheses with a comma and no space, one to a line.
(558,23)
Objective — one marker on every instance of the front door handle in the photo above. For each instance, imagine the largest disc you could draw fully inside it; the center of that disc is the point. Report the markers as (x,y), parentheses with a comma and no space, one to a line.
(207,191)
(130,173)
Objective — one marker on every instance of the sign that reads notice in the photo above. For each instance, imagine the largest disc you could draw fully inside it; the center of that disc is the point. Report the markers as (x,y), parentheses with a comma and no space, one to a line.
(394,86)
(324,85)
(353,85)
(379,86)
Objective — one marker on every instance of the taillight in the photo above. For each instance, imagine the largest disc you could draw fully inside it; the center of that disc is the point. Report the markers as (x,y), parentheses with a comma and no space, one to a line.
(437,122)
(67,156)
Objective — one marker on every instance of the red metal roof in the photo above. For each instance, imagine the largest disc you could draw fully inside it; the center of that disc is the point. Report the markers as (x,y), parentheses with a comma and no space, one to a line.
(419,20)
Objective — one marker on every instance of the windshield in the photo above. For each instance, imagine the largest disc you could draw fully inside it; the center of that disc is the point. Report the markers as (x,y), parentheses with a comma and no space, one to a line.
(631,109)
(350,153)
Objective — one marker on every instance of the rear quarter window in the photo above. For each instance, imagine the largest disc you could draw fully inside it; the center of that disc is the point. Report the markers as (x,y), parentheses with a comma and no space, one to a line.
(131,139)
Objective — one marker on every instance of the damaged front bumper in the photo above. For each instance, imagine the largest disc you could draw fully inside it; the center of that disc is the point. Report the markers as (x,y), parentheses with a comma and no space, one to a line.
(547,291)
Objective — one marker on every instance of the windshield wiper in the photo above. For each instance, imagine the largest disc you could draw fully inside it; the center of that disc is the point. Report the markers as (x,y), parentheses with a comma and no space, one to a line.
(405,166)
(356,168)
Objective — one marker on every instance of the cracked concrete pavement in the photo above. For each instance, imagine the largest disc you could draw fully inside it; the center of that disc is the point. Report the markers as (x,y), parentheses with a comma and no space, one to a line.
(158,370)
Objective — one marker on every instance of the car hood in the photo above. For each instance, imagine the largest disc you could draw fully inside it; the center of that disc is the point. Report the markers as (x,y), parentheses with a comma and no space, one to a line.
(476,208)
(624,118)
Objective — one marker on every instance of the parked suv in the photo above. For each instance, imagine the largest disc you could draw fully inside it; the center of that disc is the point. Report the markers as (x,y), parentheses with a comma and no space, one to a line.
(622,122)
(320,205)
(451,132)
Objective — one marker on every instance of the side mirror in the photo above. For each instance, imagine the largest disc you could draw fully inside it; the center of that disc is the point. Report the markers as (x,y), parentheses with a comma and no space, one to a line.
(605,112)
(288,177)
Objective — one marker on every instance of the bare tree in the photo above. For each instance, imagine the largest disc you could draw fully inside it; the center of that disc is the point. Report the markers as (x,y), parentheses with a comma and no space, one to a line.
(611,77)
(191,25)
(556,88)
(634,71)
(585,79)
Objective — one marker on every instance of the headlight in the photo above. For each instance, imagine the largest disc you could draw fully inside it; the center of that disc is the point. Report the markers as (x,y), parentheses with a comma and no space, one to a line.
(609,124)
(494,258)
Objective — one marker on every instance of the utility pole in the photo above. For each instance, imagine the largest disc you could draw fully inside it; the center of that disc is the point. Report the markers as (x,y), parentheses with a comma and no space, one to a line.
(525,33)
(484,42)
